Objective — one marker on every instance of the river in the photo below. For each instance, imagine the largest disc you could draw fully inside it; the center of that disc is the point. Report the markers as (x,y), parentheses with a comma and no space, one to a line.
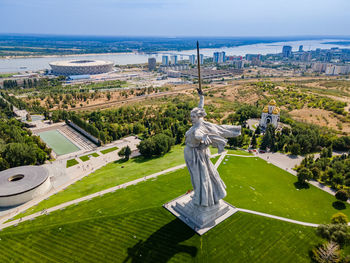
(39,63)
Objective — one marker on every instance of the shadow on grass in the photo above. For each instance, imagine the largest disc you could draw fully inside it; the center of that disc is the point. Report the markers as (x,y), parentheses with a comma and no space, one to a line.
(163,244)
(338,205)
(299,185)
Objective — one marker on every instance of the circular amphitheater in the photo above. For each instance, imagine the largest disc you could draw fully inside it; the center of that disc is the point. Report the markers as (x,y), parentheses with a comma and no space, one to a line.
(21,184)
(80,67)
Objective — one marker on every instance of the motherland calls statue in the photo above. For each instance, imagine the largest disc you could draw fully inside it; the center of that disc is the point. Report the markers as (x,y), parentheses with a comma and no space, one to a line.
(203,208)
(208,187)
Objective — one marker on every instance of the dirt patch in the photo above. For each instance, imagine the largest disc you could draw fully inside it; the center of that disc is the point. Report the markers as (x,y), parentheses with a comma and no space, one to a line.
(320,117)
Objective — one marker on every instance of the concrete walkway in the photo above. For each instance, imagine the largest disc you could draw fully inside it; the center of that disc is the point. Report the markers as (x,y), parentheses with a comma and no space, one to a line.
(278,217)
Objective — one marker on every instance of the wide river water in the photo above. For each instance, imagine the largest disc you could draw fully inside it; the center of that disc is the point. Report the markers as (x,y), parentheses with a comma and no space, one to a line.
(40,63)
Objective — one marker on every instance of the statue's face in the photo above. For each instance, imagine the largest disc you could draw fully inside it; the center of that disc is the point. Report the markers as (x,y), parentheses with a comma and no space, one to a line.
(194,117)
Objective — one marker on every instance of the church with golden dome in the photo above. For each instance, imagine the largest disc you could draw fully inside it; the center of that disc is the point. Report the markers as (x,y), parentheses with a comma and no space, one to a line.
(270,115)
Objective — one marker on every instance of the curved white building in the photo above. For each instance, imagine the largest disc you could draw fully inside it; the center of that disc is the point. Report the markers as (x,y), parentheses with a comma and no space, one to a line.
(21,184)
(80,67)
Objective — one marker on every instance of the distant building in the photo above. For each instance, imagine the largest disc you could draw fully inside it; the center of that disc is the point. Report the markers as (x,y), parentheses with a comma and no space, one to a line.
(201,59)
(216,57)
(250,57)
(270,115)
(165,60)
(319,67)
(219,57)
(287,51)
(192,59)
(173,59)
(81,67)
(301,48)
(152,64)
(222,57)
(306,56)
(237,63)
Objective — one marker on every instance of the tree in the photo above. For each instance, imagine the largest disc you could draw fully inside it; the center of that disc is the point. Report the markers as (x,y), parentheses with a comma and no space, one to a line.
(315,172)
(304,174)
(327,253)
(156,145)
(342,195)
(339,218)
(125,152)
(295,149)
(253,142)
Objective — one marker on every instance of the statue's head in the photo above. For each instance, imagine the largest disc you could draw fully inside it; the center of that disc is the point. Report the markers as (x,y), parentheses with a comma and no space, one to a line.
(197,114)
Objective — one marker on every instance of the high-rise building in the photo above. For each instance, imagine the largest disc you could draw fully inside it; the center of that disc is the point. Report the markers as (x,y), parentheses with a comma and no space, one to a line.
(216,57)
(173,59)
(201,58)
(219,57)
(152,64)
(192,59)
(287,51)
(165,60)
(301,48)
(222,57)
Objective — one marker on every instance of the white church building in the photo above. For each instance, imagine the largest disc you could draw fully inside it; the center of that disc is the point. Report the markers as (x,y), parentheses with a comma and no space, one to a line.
(270,115)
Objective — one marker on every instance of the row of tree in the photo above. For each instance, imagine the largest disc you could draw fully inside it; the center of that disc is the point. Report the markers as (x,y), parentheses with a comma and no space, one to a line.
(334,172)
(18,146)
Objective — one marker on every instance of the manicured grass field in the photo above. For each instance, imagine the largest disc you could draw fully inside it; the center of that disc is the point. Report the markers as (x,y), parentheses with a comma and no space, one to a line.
(84,158)
(57,142)
(111,175)
(95,154)
(109,150)
(254,184)
(238,152)
(71,162)
(131,226)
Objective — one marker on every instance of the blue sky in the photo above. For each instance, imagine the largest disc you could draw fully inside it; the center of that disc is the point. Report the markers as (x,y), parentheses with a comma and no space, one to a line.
(176,17)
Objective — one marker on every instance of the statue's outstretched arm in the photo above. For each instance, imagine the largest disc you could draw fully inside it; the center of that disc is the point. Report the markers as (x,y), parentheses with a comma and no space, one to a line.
(201,98)
(201,101)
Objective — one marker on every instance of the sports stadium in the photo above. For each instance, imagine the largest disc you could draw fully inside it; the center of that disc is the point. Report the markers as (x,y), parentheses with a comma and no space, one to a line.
(80,67)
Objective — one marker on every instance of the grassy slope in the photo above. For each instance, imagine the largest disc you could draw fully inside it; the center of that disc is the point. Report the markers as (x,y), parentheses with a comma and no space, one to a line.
(251,183)
(111,175)
(131,224)
(254,184)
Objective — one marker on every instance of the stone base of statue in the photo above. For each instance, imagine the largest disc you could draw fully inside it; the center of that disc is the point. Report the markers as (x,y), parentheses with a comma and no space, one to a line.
(200,219)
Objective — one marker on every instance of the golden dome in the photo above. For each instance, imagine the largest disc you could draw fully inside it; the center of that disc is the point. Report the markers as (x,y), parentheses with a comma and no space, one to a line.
(266,109)
(276,111)
(272,103)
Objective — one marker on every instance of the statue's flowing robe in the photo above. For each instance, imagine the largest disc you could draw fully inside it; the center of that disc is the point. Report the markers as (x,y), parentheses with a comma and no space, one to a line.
(208,187)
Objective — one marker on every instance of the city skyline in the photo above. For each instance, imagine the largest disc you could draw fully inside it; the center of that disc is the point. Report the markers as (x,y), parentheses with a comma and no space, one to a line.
(176,18)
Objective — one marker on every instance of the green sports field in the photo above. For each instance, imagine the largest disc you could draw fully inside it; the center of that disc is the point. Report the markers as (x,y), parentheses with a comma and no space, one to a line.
(57,142)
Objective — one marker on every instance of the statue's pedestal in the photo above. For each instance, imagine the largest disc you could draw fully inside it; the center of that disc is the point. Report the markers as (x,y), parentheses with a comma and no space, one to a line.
(200,219)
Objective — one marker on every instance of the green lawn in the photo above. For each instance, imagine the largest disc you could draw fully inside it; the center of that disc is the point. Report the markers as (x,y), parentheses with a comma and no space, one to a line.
(238,152)
(95,154)
(84,158)
(111,175)
(254,184)
(131,225)
(109,150)
(71,162)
